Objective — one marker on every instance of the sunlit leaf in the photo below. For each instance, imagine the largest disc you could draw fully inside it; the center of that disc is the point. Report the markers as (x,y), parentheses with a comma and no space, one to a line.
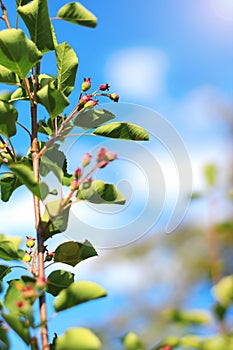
(210,173)
(17,52)
(78,339)
(9,248)
(72,253)
(67,65)
(132,342)
(8,184)
(92,118)
(52,99)
(76,13)
(36,17)
(99,192)
(218,342)
(8,118)
(25,175)
(223,291)
(187,317)
(78,293)
(122,130)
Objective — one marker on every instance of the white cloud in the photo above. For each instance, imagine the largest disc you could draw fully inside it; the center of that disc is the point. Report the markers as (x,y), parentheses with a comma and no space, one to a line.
(138,72)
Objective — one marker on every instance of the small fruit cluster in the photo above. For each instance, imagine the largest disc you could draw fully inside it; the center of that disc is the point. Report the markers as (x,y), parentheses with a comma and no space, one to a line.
(87,101)
(30,242)
(49,255)
(103,158)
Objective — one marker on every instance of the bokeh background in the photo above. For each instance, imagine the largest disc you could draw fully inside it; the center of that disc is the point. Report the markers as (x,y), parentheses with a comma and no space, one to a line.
(175,58)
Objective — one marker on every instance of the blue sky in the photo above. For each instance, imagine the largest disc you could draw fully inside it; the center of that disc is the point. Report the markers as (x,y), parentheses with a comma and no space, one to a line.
(174,57)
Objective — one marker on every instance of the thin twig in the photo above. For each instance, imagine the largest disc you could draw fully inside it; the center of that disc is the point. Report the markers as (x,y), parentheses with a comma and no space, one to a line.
(7,148)
(5,16)
(24,127)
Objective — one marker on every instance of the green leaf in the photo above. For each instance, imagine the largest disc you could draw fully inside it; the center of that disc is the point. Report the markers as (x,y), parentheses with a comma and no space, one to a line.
(21,2)
(45,128)
(78,339)
(187,317)
(126,131)
(8,77)
(52,99)
(210,173)
(92,118)
(4,338)
(78,293)
(75,13)
(223,291)
(58,219)
(14,295)
(8,118)
(218,342)
(18,326)
(59,280)
(99,192)
(36,17)
(9,248)
(18,53)
(53,161)
(8,183)
(72,253)
(67,65)
(132,342)
(190,341)
(5,95)
(4,270)
(25,175)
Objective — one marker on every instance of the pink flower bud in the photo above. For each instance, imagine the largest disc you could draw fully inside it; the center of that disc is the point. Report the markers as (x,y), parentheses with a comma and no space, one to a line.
(86,84)
(74,185)
(114,97)
(78,173)
(30,242)
(86,159)
(102,164)
(111,156)
(104,87)
(85,98)
(90,103)
(101,154)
